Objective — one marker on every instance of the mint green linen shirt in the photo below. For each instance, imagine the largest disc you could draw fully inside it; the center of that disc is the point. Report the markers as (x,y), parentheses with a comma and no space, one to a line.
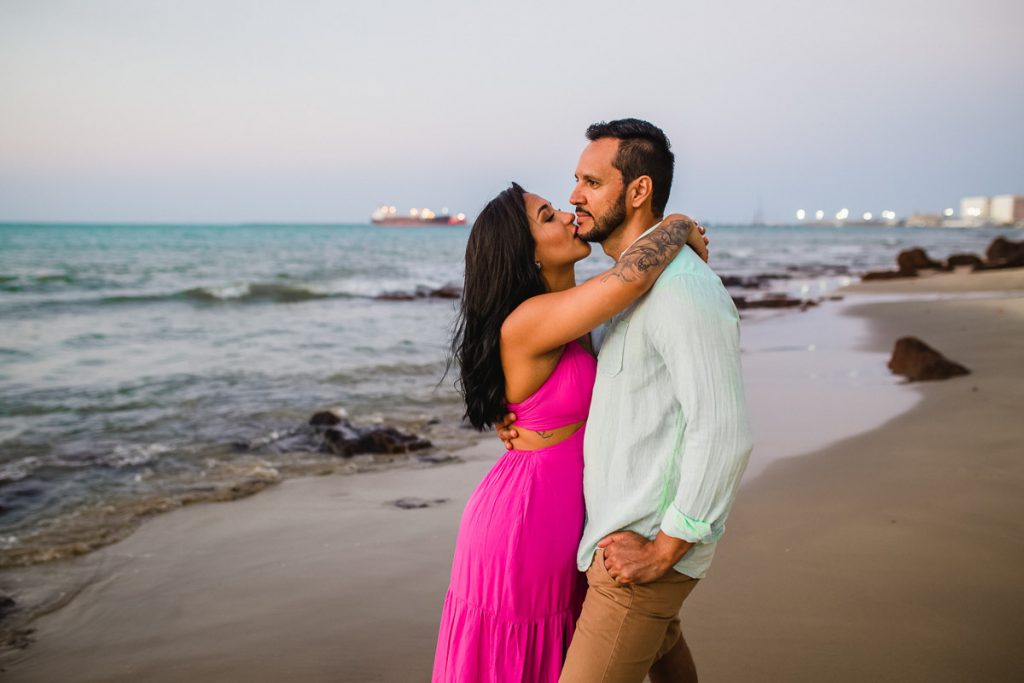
(668,437)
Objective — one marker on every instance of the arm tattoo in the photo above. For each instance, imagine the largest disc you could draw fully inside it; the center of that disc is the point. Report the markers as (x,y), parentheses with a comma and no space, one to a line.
(653,251)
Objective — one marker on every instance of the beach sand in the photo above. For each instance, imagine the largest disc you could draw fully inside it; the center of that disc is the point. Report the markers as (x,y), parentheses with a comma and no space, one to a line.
(892,555)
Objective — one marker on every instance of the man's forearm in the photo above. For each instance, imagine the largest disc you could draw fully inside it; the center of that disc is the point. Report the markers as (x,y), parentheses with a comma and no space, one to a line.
(669,550)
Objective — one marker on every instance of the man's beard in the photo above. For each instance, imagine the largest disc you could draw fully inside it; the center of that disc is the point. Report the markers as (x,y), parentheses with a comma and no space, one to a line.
(609,223)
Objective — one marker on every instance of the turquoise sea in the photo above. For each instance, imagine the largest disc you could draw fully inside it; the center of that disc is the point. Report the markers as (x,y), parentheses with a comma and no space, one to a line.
(147,366)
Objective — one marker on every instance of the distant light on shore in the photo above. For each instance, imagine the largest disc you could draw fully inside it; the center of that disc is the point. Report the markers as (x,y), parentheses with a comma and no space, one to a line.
(867,215)
(889,215)
(801,214)
(819,215)
(843,214)
(948,213)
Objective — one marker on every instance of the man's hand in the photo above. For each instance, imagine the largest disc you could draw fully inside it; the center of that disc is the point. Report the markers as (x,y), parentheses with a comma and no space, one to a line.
(696,239)
(506,432)
(631,558)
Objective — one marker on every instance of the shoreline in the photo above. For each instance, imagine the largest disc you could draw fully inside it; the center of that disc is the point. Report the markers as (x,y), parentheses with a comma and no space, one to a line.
(765,344)
(302,596)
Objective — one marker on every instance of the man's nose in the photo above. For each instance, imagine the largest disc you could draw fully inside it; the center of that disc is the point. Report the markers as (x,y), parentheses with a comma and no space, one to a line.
(577,198)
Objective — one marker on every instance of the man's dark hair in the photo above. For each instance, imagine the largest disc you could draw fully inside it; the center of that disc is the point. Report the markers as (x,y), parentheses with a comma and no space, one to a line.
(643,150)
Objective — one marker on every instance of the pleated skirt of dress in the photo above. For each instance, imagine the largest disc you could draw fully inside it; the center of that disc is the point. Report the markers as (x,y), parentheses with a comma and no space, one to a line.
(515,591)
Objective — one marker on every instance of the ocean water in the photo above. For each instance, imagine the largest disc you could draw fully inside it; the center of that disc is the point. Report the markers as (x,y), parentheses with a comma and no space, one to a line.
(143,367)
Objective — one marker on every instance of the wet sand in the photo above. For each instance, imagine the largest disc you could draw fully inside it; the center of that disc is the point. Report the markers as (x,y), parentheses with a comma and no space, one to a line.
(892,555)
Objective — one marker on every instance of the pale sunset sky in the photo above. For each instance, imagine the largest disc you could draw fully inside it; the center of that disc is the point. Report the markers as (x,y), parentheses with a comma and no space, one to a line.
(231,111)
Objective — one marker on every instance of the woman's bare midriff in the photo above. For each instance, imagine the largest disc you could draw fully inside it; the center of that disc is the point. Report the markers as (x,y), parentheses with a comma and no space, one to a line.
(529,440)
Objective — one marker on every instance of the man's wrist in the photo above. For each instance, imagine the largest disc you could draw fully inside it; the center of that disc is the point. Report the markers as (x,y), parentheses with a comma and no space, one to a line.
(669,550)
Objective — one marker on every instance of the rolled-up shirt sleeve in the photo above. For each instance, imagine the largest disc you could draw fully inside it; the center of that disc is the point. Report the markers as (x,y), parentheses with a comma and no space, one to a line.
(694,327)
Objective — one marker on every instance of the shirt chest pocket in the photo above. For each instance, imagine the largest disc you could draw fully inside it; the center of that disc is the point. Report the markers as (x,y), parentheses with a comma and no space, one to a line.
(613,350)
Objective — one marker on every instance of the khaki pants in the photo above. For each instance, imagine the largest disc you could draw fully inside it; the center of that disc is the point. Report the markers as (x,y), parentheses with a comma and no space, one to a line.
(623,630)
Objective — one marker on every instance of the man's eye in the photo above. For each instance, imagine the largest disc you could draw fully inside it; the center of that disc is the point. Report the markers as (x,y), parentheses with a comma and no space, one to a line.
(550,218)
(593,183)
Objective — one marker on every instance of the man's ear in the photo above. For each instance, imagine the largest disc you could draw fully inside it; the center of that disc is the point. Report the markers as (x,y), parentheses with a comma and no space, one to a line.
(640,191)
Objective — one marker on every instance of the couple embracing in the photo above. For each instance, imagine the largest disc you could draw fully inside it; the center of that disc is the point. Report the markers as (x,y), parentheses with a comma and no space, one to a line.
(577,550)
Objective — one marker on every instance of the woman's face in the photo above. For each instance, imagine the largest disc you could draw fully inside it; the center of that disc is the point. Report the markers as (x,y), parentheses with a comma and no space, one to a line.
(555,234)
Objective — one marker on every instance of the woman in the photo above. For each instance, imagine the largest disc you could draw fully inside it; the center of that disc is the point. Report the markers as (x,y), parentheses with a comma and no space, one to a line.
(522,341)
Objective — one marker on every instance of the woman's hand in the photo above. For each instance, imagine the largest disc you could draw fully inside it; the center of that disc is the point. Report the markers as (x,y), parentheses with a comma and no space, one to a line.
(506,432)
(696,239)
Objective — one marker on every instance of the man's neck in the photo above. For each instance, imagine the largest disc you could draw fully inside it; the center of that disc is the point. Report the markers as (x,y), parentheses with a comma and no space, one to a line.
(636,225)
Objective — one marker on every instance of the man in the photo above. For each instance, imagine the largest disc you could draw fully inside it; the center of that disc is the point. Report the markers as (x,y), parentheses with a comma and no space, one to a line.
(667,437)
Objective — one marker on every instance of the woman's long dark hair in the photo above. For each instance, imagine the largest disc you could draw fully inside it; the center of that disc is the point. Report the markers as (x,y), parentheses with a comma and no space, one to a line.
(500,275)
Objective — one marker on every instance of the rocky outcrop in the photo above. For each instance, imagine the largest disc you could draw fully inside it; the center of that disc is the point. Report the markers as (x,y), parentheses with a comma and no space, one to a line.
(449,291)
(910,261)
(773,301)
(752,281)
(961,260)
(919,362)
(1001,253)
(330,431)
(1004,253)
(884,275)
(345,439)
(327,418)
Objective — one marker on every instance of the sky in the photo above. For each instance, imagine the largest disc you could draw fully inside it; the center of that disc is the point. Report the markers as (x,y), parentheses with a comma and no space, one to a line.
(305,111)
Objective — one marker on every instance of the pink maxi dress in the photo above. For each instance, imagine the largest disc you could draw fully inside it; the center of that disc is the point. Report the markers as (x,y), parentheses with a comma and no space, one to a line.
(515,592)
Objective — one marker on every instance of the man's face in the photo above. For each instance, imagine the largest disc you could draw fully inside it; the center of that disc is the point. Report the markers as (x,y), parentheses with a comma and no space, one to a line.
(600,194)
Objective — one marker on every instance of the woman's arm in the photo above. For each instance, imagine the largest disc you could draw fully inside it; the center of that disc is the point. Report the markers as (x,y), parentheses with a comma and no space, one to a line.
(545,322)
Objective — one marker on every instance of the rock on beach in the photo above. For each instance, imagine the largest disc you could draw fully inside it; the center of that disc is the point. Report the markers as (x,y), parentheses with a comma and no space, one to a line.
(919,362)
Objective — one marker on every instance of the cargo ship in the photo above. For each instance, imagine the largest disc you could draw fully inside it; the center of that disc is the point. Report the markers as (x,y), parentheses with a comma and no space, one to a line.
(389,216)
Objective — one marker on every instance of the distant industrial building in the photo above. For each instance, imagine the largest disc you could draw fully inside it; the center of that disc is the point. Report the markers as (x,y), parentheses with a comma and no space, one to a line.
(974,207)
(1005,209)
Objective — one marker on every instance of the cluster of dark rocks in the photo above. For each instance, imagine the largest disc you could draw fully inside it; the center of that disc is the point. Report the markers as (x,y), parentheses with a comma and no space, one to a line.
(770,300)
(1002,253)
(449,291)
(330,431)
(752,281)
(773,301)
(339,436)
